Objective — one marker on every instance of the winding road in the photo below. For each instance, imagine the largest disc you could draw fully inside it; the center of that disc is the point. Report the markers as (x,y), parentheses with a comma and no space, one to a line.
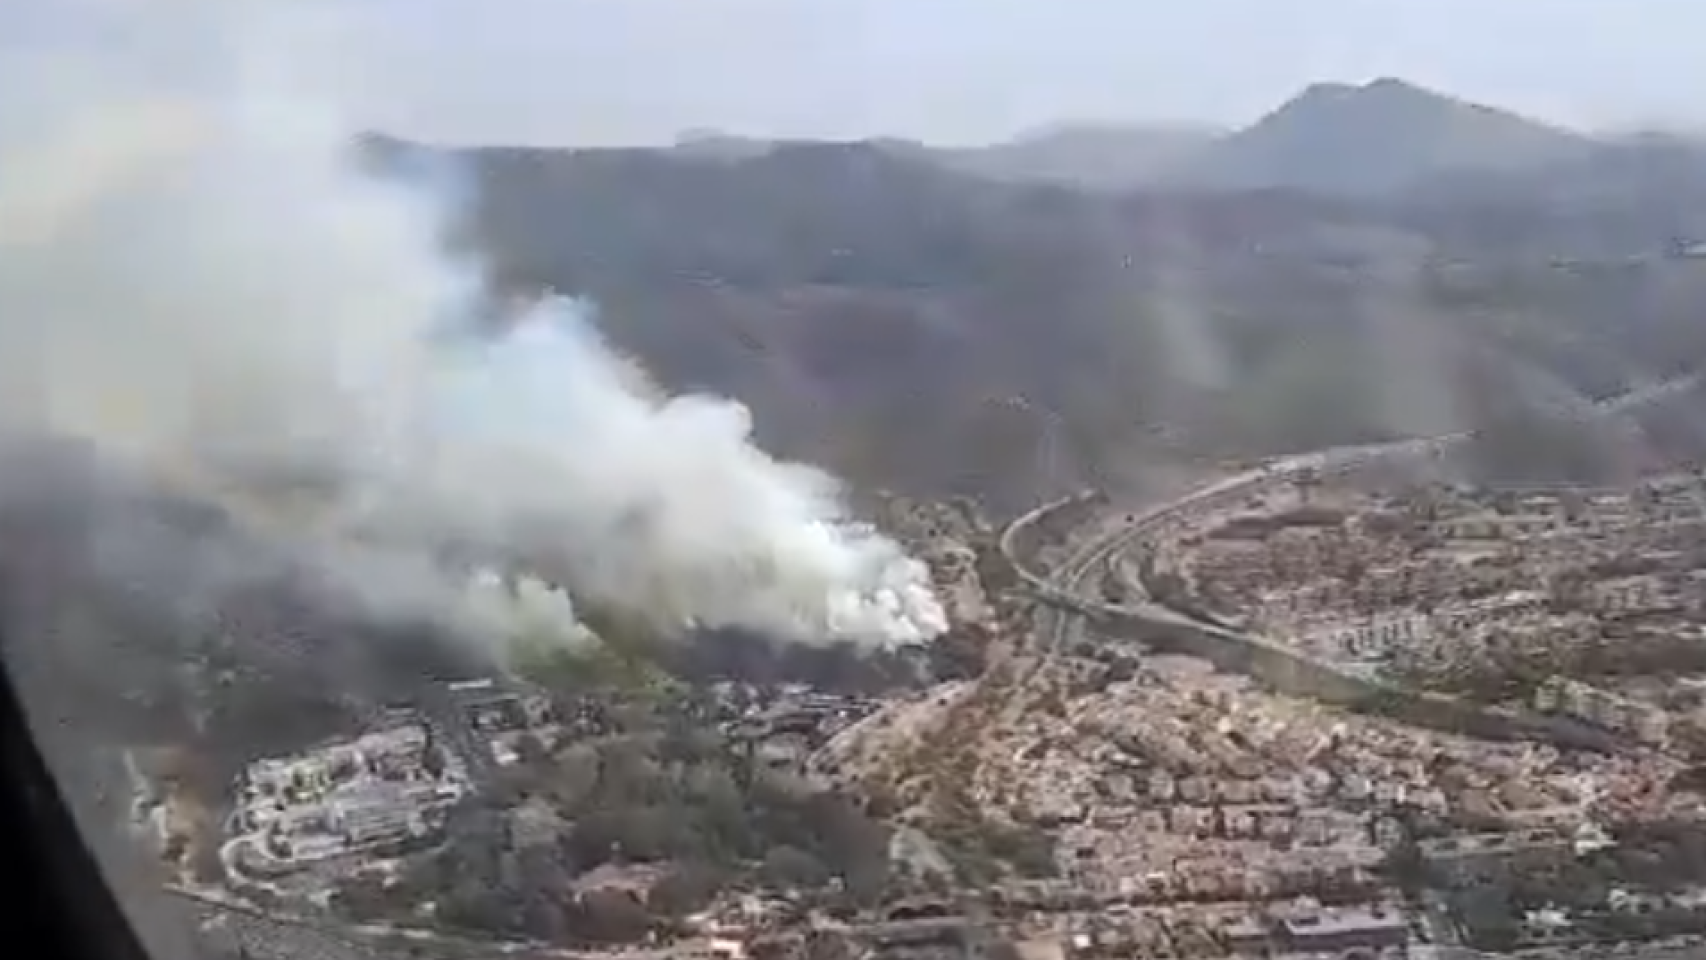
(1064,587)
(264,935)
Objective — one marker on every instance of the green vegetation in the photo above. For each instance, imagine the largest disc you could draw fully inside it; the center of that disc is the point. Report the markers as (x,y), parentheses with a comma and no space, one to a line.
(985,851)
(1616,894)
(1514,671)
(557,663)
(613,837)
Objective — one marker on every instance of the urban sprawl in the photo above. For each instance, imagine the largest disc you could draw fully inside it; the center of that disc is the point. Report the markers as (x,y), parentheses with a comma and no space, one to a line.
(1470,721)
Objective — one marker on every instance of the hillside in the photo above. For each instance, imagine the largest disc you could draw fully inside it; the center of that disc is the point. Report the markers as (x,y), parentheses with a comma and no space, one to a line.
(1377,138)
(1081,156)
(1623,199)
(1387,139)
(916,328)
(1104,157)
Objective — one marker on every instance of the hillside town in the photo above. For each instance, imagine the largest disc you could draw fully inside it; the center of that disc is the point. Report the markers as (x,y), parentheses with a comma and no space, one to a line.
(1568,602)
(1134,800)
(782,481)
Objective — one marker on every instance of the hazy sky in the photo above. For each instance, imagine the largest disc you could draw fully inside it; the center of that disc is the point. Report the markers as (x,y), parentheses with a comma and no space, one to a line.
(628,71)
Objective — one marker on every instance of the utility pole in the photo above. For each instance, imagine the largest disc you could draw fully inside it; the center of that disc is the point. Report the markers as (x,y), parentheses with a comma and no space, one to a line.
(1305,481)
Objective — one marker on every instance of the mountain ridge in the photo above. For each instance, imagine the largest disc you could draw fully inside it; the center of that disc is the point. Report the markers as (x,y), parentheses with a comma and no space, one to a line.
(916,326)
(937,333)
(1381,137)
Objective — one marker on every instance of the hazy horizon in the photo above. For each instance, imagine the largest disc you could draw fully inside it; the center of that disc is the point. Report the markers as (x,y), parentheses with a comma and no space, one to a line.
(598,72)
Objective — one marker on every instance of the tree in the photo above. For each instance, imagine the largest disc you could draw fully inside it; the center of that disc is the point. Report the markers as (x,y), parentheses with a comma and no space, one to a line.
(473,904)
(684,889)
(432,757)
(530,750)
(361,897)
(609,916)
(792,868)
(1488,918)
(827,945)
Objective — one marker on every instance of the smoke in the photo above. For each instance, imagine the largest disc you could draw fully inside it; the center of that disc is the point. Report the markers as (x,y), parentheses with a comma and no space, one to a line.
(197,282)
(1179,313)
(1409,347)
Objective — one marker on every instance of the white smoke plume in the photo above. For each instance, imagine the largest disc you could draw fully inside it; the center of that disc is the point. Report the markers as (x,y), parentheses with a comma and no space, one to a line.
(195,278)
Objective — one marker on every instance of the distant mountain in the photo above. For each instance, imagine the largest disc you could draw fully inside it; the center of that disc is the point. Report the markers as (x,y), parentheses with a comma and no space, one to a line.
(1386,139)
(713,145)
(1090,157)
(1626,199)
(1095,157)
(1373,139)
(917,328)
(1380,139)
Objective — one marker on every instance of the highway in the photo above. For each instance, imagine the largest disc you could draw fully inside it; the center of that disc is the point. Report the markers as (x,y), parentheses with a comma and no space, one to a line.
(272,937)
(1065,584)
